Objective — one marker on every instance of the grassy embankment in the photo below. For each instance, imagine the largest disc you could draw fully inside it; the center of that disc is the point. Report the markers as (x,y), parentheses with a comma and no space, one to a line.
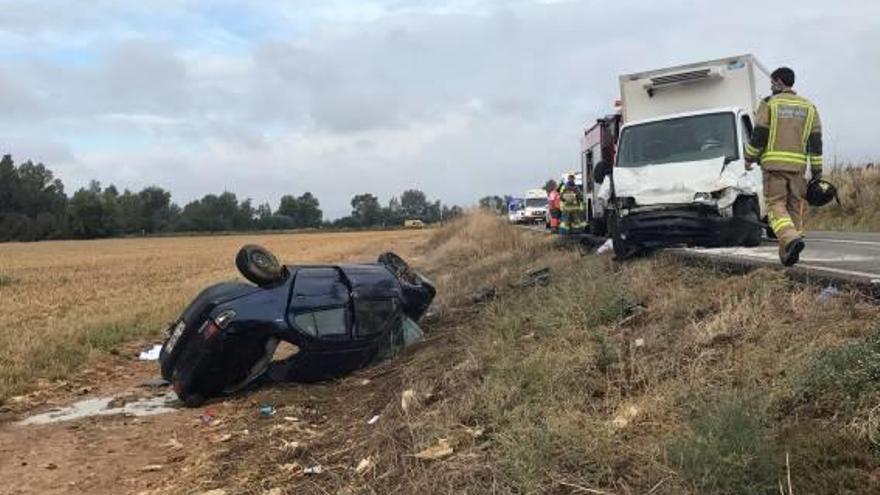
(646,377)
(859,208)
(64,302)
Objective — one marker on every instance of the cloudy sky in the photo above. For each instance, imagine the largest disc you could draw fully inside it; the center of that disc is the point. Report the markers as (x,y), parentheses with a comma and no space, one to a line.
(460,98)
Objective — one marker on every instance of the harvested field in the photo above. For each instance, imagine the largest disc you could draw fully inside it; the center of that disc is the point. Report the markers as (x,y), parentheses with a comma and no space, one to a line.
(65,300)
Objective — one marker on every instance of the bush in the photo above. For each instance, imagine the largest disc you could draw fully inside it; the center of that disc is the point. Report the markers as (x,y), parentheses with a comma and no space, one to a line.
(841,377)
(729,450)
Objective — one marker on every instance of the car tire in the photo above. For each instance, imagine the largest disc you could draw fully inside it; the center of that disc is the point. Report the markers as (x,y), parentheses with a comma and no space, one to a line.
(747,210)
(259,265)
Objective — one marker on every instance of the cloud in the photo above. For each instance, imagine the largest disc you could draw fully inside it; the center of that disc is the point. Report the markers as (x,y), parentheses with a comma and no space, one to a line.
(462,98)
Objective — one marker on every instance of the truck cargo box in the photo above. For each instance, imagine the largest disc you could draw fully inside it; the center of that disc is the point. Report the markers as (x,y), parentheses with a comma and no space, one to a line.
(739,81)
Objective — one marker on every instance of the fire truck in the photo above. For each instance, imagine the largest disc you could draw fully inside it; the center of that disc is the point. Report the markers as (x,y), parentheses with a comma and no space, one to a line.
(598,148)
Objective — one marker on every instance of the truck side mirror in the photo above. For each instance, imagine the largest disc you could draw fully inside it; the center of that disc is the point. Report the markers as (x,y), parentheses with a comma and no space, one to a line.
(602,169)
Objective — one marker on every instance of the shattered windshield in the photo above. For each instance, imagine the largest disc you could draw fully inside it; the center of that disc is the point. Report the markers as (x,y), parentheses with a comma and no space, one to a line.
(536,202)
(685,139)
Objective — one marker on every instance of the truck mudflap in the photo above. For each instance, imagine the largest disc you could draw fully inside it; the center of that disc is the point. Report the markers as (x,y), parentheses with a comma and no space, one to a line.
(687,225)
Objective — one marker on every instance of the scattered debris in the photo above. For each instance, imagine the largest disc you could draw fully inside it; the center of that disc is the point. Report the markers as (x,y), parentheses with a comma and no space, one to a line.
(224,438)
(365,381)
(151,354)
(639,342)
(292,419)
(50,466)
(316,469)
(267,411)
(275,491)
(440,451)
(606,247)
(150,468)
(208,416)
(216,491)
(407,399)
(829,292)
(373,420)
(365,465)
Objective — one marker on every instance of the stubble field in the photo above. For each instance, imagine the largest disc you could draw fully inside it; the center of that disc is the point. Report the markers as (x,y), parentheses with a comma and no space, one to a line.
(64,301)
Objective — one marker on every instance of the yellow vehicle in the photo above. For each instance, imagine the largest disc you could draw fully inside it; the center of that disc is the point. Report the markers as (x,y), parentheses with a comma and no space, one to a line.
(413,224)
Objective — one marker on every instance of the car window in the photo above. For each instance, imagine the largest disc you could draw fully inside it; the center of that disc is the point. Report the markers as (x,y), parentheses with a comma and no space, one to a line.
(375,316)
(324,323)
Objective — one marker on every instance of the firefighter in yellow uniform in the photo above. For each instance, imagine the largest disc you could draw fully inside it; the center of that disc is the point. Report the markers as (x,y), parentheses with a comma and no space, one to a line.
(787,137)
(571,201)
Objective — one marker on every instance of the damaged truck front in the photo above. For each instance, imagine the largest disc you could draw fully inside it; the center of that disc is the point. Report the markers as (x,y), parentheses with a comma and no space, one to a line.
(679,174)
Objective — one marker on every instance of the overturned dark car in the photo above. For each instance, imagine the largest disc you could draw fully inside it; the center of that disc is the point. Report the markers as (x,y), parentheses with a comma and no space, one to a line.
(339,317)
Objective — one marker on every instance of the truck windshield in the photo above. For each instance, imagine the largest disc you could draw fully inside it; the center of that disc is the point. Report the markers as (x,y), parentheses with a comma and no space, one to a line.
(684,139)
(536,202)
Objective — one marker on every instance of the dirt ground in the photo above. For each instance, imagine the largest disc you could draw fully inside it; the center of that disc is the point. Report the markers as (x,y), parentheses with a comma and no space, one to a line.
(96,282)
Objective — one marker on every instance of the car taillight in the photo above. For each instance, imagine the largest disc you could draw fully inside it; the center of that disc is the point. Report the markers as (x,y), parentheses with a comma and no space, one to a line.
(210,330)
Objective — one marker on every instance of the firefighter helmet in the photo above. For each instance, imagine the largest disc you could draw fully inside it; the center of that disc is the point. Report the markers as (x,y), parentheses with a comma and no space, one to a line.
(821,192)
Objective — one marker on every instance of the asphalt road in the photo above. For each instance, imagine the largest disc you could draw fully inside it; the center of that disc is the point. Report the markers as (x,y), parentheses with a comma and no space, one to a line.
(847,256)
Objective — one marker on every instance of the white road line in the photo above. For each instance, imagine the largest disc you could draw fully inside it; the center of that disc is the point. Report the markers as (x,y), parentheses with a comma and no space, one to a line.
(874,277)
(845,241)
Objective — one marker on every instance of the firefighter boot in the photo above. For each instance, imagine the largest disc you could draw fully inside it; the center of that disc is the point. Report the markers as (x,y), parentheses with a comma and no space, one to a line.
(790,252)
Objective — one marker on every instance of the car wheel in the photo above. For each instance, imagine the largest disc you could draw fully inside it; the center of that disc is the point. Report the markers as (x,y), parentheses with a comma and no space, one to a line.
(623,249)
(259,265)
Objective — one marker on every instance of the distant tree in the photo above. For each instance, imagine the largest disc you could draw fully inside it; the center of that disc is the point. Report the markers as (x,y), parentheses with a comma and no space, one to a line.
(217,213)
(414,204)
(366,210)
(304,210)
(92,212)
(156,213)
(33,205)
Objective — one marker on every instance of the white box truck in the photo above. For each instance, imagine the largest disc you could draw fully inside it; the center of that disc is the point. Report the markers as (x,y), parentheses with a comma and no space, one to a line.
(679,177)
(535,206)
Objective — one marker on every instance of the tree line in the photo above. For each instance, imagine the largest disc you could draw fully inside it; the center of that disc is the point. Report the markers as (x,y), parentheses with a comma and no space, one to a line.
(34,206)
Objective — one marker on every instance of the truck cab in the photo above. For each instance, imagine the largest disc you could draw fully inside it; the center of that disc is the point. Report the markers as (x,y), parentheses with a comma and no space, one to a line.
(598,148)
(679,173)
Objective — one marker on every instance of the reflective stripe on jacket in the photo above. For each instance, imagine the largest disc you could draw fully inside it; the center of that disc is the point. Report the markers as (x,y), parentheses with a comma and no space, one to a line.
(787,134)
(571,198)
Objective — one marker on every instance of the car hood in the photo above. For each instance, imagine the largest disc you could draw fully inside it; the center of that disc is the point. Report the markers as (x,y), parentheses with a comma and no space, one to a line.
(672,183)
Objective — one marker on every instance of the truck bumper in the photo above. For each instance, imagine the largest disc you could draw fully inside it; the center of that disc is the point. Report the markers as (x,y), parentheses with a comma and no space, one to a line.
(682,225)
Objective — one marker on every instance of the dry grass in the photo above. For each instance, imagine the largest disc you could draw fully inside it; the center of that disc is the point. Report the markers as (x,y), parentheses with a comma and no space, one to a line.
(647,377)
(859,208)
(64,300)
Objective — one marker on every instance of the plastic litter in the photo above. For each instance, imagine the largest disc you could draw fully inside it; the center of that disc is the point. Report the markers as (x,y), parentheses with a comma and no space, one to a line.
(373,420)
(151,354)
(407,399)
(208,416)
(365,465)
(267,411)
(606,247)
(829,292)
(317,469)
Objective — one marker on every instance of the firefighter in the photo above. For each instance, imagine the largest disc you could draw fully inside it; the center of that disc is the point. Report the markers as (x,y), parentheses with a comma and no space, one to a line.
(553,207)
(571,201)
(787,137)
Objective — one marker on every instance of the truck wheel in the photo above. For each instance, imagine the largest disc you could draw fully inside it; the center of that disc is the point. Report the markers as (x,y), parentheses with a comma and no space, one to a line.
(623,249)
(747,210)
